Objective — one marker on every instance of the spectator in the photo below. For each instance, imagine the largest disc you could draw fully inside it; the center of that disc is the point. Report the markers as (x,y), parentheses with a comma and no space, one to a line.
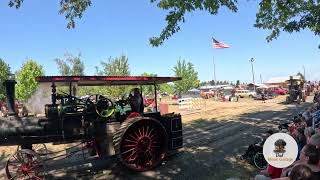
(299,172)
(307,116)
(308,132)
(315,140)
(309,157)
(301,139)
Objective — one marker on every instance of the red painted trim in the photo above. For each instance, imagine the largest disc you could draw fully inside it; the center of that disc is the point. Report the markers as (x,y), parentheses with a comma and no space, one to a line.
(113,79)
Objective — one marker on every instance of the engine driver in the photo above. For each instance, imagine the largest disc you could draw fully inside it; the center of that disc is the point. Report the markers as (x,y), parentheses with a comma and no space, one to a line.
(136,101)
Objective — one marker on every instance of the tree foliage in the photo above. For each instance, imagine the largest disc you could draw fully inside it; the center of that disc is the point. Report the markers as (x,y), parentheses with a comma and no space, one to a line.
(274,15)
(118,66)
(168,88)
(149,89)
(26,82)
(71,9)
(213,83)
(71,65)
(188,74)
(289,16)
(301,75)
(4,72)
(177,10)
(238,83)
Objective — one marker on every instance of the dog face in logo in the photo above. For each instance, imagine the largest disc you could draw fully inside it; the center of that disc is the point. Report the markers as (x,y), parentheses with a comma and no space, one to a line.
(279,149)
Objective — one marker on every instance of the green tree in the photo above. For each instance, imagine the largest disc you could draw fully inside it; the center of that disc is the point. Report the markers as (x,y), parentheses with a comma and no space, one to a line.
(149,90)
(26,82)
(301,75)
(118,66)
(289,16)
(168,88)
(238,83)
(71,65)
(188,74)
(4,72)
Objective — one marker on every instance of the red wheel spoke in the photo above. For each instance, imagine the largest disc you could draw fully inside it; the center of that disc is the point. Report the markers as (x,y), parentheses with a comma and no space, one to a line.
(131,141)
(137,135)
(152,136)
(140,134)
(134,138)
(149,156)
(150,132)
(130,145)
(146,134)
(128,150)
(129,157)
(143,144)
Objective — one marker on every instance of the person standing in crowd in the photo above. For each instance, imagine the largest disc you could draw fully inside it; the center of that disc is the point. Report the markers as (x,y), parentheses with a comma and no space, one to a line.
(309,132)
(315,140)
(299,172)
(309,157)
(301,139)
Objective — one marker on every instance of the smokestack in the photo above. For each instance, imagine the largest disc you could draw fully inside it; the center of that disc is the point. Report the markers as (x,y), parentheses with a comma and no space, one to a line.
(10,90)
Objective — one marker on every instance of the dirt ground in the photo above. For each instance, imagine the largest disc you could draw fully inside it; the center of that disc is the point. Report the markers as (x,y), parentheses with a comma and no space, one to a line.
(213,139)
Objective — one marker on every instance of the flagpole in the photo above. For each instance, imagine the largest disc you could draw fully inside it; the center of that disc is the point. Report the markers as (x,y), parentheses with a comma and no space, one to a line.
(214,71)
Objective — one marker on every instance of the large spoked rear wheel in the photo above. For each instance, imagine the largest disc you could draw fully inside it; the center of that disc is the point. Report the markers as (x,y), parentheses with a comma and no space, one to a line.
(141,143)
(25,164)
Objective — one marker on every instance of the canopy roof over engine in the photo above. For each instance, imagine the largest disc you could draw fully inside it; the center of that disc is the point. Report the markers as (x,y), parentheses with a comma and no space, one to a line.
(105,80)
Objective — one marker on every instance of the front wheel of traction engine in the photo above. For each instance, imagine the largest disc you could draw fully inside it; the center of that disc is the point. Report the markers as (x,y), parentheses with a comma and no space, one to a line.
(25,164)
(141,143)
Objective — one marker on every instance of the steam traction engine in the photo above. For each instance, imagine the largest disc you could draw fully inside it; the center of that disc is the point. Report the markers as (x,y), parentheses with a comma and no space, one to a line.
(141,140)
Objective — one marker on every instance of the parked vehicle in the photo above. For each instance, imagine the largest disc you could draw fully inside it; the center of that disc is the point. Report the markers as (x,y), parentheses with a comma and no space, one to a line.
(227,96)
(206,94)
(266,96)
(280,91)
(245,93)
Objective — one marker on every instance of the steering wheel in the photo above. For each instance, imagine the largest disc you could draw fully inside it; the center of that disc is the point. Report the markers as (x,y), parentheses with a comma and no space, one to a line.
(105,107)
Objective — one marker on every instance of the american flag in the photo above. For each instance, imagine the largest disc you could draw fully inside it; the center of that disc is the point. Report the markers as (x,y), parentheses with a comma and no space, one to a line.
(219,45)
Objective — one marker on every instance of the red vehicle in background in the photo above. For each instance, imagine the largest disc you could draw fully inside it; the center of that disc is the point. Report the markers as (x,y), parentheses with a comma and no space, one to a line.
(148,101)
(280,91)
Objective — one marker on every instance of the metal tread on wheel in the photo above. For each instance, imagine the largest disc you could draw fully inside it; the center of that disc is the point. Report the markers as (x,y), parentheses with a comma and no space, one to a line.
(141,143)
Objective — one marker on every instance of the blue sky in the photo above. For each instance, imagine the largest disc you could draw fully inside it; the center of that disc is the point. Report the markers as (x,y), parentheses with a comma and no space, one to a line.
(112,28)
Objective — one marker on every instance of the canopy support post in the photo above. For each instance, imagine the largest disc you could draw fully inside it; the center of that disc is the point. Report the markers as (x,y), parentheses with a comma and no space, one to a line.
(155,96)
